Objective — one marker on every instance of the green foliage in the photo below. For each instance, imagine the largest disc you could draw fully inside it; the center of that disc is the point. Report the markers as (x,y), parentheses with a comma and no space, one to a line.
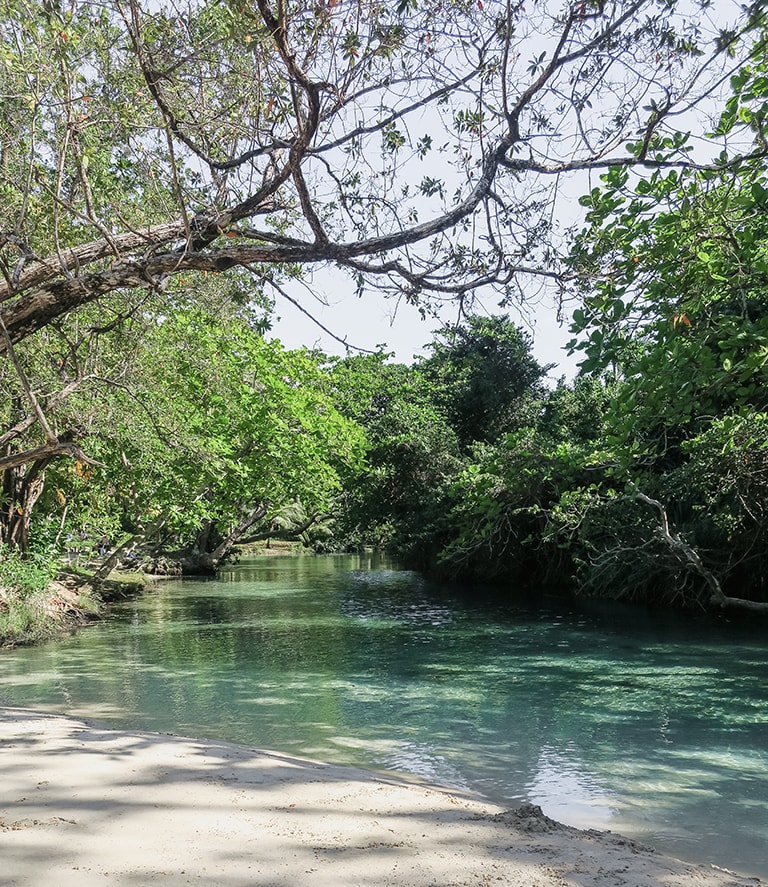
(673,270)
(25,596)
(723,489)
(190,417)
(714,499)
(411,452)
(457,480)
(508,497)
(482,376)
(218,420)
(24,576)
(614,544)
(675,273)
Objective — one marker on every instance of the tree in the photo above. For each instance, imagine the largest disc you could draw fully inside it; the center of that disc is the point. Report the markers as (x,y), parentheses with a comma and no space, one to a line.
(197,428)
(54,394)
(417,148)
(450,452)
(506,498)
(81,378)
(675,275)
(415,145)
(480,373)
(231,430)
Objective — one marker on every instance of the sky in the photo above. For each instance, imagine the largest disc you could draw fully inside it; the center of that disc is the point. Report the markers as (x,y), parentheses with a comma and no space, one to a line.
(372,320)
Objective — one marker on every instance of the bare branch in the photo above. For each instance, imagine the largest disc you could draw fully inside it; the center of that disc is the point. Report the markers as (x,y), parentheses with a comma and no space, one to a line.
(689,556)
(283,115)
(314,320)
(45,453)
(11,352)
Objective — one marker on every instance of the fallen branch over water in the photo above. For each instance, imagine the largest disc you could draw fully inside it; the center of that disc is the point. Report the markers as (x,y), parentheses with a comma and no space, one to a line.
(684,552)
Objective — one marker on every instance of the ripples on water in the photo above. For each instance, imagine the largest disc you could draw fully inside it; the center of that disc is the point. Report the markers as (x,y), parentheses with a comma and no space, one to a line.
(606,716)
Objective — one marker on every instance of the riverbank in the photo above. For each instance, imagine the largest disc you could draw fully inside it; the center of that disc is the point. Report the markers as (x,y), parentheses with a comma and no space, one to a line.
(82,804)
(62,605)
(30,617)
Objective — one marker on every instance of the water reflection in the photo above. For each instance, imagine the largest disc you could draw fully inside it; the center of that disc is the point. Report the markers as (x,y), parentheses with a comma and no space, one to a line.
(563,787)
(604,717)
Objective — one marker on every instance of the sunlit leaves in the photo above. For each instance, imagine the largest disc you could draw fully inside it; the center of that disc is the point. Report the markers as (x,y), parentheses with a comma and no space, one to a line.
(249,420)
(468,121)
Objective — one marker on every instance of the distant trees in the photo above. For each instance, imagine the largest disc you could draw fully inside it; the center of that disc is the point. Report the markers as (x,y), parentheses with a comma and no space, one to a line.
(429,424)
(480,373)
(561,495)
(223,430)
(412,453)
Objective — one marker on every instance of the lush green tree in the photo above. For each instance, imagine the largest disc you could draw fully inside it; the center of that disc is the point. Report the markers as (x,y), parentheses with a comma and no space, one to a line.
(482,377)
(416,148)
(720,496)
(674,270)
(68,384)
(507,497)
(196,427)
(53,397)
(232,430)
(466,449)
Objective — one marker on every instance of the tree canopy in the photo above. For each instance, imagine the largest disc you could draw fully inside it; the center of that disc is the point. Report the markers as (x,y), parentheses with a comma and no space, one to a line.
(416,145)
(434,151)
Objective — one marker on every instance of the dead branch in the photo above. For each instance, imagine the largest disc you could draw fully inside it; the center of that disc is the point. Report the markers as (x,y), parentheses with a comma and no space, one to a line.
(684,552)
(47,452)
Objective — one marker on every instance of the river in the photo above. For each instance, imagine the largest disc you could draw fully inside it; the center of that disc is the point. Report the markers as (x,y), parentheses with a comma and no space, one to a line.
(652,725)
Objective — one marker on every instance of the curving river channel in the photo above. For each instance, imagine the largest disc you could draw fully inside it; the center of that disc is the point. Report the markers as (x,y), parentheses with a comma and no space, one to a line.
(607,717)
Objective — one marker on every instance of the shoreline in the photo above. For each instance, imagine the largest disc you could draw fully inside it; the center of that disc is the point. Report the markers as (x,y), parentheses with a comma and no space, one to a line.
(82,804)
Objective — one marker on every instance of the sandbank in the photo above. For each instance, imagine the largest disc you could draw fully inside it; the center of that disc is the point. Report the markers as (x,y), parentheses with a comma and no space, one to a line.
(82,804)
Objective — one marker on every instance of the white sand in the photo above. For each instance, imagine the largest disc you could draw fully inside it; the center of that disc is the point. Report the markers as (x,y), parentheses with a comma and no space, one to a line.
(82,805)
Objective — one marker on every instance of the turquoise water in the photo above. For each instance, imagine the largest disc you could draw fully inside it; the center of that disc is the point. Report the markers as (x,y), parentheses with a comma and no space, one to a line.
(607,717)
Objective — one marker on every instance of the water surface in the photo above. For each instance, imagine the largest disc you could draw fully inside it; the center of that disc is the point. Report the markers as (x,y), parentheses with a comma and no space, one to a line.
(651,725)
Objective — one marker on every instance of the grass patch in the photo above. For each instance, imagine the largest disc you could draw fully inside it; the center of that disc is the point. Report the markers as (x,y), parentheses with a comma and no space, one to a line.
(37,616)
(33,606)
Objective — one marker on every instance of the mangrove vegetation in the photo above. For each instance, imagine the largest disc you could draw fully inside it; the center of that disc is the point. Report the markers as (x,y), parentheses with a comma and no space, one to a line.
(171,173)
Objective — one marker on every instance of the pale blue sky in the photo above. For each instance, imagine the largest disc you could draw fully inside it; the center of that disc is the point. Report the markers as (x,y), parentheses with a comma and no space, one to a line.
(369,321)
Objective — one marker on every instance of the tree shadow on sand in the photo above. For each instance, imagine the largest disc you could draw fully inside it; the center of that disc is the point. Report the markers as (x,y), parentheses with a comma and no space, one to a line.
(82,803)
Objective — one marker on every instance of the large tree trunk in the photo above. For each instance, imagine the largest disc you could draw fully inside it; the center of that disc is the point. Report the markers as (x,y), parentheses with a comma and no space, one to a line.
(204,536)
(197,561)
(22,486)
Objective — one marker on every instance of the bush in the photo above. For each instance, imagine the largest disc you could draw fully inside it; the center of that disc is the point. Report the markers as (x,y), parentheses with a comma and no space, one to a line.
(26,575)
(24,584)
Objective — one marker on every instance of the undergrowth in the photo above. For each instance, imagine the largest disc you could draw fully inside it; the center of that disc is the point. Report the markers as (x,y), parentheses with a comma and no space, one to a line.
(32,607)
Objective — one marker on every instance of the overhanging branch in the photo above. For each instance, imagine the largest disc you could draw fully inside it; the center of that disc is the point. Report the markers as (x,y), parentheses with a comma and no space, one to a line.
(47,452)
(682,550)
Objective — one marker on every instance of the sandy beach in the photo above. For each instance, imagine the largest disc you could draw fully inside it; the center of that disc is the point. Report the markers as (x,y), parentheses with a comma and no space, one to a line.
(81,804)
